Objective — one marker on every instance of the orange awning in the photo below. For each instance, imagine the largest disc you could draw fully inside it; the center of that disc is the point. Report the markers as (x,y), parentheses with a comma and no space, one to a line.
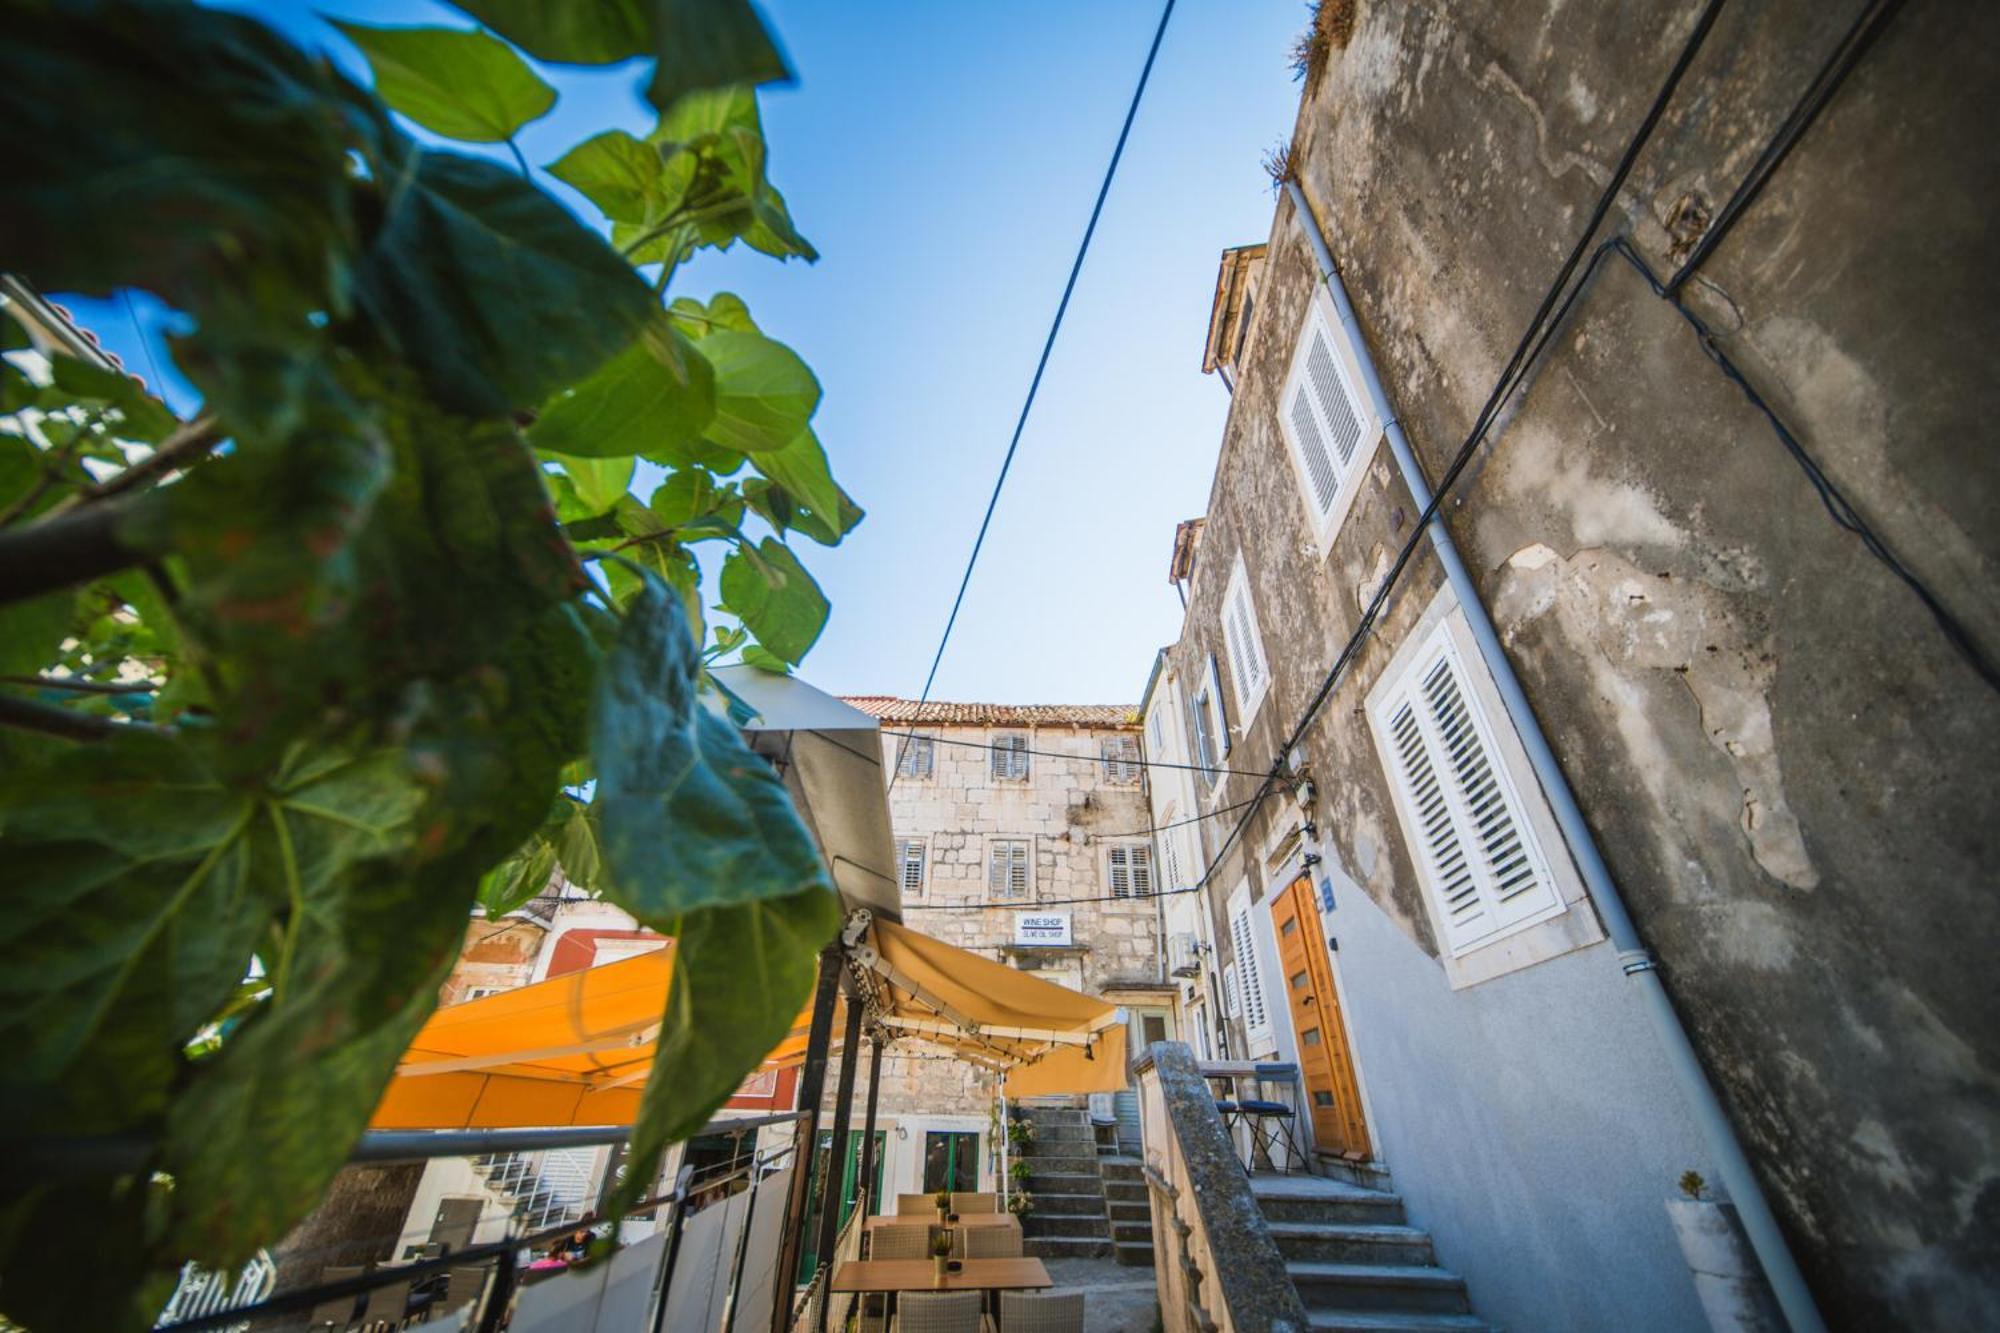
(576,1049)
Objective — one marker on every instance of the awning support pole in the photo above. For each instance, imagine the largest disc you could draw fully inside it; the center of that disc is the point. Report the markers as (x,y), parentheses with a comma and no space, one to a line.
(836,1162)
(870,1203)
(812,1085)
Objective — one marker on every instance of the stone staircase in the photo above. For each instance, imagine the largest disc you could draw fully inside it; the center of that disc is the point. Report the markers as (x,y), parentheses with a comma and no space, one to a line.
(1125,1195)
(1356,1264)
(1069,1219)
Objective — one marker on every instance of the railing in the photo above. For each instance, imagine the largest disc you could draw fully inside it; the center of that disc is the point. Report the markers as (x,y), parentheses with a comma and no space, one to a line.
(846,1247)
(1217,1268)
(204,1291)
(629,1290)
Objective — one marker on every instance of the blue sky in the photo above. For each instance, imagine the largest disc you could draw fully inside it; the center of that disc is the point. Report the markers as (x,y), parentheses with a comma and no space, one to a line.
(943,158)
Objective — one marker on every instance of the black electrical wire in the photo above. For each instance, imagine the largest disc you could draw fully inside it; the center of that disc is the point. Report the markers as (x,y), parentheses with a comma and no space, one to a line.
(1216,813)
(1058,754)
(1048,345)
(1028,905)
(1860,35)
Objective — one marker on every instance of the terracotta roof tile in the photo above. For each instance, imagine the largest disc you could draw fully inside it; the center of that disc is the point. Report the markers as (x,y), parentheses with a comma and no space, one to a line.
(888,708)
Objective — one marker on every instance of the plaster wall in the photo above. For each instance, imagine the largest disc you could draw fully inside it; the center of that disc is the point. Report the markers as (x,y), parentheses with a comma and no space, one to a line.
(1790,773)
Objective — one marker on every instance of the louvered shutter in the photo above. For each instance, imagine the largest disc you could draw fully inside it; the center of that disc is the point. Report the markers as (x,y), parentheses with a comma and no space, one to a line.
(1121,872)
(910,857)
(1017,872)
(1246,655)
(1219,718)
(1140,864)
(1010,758)
(1255,1017)
(914,760)
(1474,846)
(1232,991)
(1326,416)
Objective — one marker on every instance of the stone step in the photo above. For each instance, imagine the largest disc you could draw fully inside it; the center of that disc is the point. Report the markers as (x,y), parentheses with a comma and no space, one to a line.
(1351,1242)
(1133,1254)
(1068,1204)
(1121,1168)
(1393,1321)
(1326,1201)
(1052,1182)
(1057,1224)
(1404,1287)
(1078,1157)
(1121,1210)
(1078,1135)
(1067,1247)
(1126,1191)
(1057,1115)
(1140,1232)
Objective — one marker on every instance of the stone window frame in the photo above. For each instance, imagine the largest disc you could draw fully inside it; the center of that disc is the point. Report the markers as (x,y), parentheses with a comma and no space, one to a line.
(916,756)
(904,846)
(993,844)
(1121,770)
(1323,320)
(1009,760)
(1566,924)
(1149,870)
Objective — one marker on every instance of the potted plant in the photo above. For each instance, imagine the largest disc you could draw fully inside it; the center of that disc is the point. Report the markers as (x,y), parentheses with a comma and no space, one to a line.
(943,1201)
(940,1253)
(1019,1170)
(1020,1133)
(1020,1202)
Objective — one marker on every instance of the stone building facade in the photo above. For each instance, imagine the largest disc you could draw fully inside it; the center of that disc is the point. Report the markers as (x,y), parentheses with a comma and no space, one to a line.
(1788,770)
(1022,834)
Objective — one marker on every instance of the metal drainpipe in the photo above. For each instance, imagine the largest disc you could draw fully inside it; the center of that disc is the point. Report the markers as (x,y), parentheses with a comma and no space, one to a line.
(1788,1284)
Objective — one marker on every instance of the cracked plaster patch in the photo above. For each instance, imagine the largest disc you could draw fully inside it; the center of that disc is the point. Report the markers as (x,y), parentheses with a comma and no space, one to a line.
(1630,622)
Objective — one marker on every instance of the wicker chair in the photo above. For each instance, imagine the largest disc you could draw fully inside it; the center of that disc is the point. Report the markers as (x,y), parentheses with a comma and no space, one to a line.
(899,1242)
(909,1204)
(975,1203)
(938,1312)
(1041,1312)
(992,1242)
(337,1313)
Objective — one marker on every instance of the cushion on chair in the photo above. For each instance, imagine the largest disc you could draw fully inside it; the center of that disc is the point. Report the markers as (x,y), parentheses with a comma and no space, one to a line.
(1267,1108)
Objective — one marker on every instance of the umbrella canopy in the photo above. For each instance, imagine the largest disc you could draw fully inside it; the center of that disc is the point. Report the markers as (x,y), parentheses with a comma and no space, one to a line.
(576,1049)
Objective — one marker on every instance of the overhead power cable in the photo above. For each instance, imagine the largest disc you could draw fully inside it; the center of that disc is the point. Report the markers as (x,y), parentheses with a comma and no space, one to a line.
(1048,345)
(1059,754)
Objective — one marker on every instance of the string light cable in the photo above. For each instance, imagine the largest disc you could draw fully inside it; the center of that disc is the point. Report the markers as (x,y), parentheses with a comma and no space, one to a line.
(1061,754)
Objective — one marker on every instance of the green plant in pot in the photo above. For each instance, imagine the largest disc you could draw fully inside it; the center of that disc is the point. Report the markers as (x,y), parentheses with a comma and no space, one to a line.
(1019,1170)
(1020,1202)
(943,1201)
(1020,1133)
(941,1240)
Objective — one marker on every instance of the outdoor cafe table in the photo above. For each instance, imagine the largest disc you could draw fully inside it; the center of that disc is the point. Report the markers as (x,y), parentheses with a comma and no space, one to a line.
(870,1275)
(930,1219)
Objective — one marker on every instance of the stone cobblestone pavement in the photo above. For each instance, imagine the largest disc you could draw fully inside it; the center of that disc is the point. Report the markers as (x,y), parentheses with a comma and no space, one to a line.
(1116,1299)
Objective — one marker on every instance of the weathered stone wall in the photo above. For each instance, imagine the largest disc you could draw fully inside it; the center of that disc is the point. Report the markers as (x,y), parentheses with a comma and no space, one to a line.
(1792,776)
(1073,813)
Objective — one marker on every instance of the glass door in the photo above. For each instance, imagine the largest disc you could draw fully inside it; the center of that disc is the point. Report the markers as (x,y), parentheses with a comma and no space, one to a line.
(951,1162)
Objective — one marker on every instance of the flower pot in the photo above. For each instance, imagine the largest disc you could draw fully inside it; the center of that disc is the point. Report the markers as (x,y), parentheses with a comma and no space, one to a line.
(937,1266)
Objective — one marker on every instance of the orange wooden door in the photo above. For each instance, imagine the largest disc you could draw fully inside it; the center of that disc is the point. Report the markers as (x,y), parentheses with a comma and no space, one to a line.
(1326,1063)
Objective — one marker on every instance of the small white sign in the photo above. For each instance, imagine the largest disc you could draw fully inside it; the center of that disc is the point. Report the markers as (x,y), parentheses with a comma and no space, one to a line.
(1046,928)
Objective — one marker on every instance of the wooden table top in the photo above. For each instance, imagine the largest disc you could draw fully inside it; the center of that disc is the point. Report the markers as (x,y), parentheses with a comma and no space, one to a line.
(930,1220)
(1024,1274)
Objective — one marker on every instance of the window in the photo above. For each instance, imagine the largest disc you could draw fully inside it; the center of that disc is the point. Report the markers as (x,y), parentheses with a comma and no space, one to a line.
(916,756)
(1328,423)
(1211,733)
(1007,873)
(1249,972)
(1232,995)
(1159,729)
(1131,871)
(1475,850)
(1121,760)
(1247,667)
(910,864)
(1170,853)
(1010,758)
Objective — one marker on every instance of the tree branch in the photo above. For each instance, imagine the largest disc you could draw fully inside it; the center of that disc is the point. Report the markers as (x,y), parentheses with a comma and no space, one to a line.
(27,715)
(184,446)
(64,550)
(81,686)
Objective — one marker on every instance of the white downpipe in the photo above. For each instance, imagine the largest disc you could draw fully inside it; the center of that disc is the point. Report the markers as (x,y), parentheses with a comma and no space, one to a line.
(1788,1284)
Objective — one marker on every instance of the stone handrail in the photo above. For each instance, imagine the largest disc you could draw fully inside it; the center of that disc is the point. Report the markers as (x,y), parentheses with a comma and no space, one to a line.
(1217,1267)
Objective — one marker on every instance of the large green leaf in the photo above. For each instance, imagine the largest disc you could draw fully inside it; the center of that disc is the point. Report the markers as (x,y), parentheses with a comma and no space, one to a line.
(703,44)
(599,482)
(822,510)
(463,85)
(141,416)
(764,393)
(770,592)
(741,974)
(654,398)
(578,32)
(688,815)
(495,293)
(207,161)
(629,179)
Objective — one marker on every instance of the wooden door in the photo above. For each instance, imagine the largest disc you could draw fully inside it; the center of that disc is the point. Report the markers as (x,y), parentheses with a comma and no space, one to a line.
(1326,1062)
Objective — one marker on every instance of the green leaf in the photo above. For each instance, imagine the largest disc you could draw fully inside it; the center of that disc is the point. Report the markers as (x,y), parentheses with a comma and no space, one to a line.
(702,44)
(627,178)
(692,494)
(770,592)
(142,416)
(31,632)
(688,815)
(599,482)
(518,878)
(725,310)
(825,512)
(764,394)
(764,659)
(584,32)
(577,849)
(462,85)
(208,161)
(493,291)
(655,398)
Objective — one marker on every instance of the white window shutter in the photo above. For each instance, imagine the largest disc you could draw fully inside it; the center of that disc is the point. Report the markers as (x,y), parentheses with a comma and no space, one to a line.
(996,871)
(1218,721)
(1140,862)
(1017,873)
(910,860)
(1475,848)
(1325,416)
(1255,1018)
(1232,991)
(1121,873)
